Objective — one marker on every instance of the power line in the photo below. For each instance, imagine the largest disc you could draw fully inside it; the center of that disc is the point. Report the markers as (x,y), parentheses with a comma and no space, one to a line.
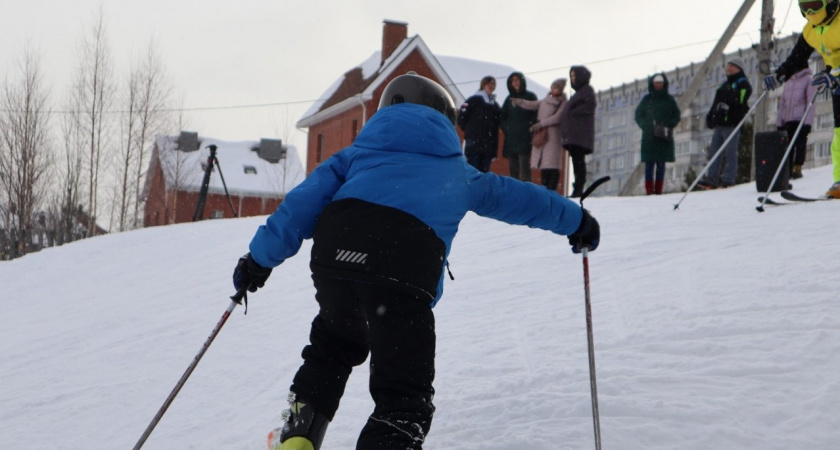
(296,102)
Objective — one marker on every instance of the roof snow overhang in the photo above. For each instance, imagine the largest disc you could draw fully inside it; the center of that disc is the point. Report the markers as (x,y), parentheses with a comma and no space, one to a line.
(383,74)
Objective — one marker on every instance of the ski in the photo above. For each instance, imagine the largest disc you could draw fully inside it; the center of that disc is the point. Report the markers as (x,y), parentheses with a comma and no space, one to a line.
(772,202)
(788,195)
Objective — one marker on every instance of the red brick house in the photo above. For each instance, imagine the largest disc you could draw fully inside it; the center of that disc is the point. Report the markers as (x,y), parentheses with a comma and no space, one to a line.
(335,121)
(257,175)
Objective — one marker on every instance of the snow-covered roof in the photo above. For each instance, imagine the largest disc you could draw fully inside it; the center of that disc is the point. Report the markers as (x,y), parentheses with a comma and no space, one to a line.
(461,76)
(244,171)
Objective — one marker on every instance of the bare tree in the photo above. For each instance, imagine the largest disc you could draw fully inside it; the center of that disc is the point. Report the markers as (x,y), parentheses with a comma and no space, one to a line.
(285,172)
(93,91)
(155,94)
(126,158)
(25,156)
(70,172)
(174,165)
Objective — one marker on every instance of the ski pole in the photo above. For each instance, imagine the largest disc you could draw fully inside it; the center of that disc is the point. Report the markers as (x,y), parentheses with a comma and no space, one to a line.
(234,300)
(722,147)
(760,208)
(593,387)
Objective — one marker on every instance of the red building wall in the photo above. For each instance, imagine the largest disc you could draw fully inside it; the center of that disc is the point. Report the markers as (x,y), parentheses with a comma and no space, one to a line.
(167,207)
(330,136)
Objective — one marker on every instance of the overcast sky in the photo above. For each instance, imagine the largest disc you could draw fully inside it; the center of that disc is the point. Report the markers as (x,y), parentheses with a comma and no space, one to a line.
(287,52)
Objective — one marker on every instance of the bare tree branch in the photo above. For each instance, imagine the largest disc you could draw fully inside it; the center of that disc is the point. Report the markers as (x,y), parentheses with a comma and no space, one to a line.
(25,155)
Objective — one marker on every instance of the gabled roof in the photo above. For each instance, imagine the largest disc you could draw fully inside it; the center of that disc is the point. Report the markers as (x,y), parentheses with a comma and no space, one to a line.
(238,161)
(460,77)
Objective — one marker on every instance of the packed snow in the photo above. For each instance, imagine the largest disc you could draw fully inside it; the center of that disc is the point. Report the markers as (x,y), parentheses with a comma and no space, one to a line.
(715,327)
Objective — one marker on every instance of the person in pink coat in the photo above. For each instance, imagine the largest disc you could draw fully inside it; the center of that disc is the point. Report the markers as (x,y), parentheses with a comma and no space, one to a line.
(796,97)
(546,157)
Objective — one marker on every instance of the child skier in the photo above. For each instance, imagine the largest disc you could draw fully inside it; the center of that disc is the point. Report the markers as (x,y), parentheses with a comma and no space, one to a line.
(818,35)
(382,214)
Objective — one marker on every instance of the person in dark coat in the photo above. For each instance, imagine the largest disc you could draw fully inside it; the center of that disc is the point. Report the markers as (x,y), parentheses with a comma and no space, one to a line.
(382,215)
(515,123)
(577,120)
(657,107)
(479,120)
(729,106)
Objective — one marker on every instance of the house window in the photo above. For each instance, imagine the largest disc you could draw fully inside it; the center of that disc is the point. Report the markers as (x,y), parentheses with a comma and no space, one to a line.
(250,170)
(217,214)
(319,149)
(825,121)
(355,131)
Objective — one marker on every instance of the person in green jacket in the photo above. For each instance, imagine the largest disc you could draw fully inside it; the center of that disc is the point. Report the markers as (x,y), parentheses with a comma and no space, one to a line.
(657,109)
(515,123)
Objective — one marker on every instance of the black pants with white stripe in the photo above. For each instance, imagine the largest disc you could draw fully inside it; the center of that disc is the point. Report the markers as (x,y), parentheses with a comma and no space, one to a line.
(397,328)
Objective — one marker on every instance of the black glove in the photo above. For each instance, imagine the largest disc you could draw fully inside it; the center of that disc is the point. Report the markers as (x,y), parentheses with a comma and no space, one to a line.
(249,274)
(710,121)
(588,234)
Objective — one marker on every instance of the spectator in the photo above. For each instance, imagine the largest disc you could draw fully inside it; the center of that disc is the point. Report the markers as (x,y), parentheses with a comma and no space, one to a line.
(516,123)
(795,99)
(657,109)
(577,122)
(389,206)
(728,108)
(548,149)
(479,120)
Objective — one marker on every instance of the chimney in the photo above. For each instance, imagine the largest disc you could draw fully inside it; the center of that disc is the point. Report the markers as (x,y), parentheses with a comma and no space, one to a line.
(393,33)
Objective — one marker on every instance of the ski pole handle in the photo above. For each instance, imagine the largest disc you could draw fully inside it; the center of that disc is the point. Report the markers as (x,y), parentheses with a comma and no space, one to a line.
(240,294)
(592,187)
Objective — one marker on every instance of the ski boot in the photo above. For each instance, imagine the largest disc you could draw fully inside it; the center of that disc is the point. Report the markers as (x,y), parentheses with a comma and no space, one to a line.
(833,191)
(303,427)
(796,172)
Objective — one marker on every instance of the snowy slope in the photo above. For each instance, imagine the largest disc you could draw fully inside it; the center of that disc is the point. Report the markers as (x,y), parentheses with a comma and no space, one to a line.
(716,327)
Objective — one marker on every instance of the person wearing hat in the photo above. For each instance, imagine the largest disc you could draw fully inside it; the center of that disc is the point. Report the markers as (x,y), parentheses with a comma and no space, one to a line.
(819,35)
(547,151)
(382,215)
(728,108)
(657,108)
(577,121)
(516,123)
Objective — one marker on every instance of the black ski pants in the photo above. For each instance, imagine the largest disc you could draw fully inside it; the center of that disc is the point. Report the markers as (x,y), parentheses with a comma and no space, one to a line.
(398,330)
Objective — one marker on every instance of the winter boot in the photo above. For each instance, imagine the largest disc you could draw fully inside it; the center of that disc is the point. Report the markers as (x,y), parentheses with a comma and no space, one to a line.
(657,187)
(577,190)
(304,428)
(649,187)
(796,172)
(833,191)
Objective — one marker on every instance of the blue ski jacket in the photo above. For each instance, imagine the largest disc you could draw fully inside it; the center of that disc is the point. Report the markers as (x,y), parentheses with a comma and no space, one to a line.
(408,157)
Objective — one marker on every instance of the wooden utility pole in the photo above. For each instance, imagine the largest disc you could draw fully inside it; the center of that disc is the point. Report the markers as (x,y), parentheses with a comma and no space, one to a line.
(765,47)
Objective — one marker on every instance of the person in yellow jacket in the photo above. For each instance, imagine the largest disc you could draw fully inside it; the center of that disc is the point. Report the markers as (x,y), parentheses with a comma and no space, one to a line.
(821,33)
